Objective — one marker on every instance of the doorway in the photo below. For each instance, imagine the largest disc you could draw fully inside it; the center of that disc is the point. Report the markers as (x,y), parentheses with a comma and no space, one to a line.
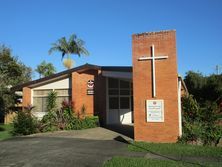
(119,101)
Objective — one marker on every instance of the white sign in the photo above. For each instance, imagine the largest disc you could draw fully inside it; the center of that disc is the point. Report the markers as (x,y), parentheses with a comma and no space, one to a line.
(90,92)
(90,86)
(155,110)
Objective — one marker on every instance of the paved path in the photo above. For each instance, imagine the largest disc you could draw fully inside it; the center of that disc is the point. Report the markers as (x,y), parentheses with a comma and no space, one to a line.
(86,148)
(98,133)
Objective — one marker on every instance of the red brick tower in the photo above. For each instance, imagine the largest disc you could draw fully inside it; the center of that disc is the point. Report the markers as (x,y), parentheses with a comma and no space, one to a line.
(155,86)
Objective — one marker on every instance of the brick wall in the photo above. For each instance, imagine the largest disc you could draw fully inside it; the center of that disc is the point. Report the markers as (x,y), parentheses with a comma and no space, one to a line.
(166,86)
(26,99)
(95,104)
(79,91)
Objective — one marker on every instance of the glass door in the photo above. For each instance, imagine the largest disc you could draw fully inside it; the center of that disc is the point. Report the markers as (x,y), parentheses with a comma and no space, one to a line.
(119,101)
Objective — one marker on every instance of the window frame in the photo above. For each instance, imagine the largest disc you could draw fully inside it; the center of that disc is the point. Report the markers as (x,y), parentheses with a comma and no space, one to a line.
(69,95)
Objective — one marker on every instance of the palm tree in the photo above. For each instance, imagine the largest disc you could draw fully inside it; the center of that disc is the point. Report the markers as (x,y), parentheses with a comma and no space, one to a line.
(45,69)
(67,47)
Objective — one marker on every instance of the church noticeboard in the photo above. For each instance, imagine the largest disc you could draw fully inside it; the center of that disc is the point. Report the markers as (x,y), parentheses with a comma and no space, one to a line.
(155,110)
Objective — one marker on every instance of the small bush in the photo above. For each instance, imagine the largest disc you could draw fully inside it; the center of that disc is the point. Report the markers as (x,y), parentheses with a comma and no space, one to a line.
(200,124)
(24,123)
(48,122)
(74,124)
(51,101)
(67,119)
(90,122)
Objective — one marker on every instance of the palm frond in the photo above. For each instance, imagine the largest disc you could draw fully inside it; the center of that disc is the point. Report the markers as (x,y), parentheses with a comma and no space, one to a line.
(53,49)
(71,46)
(72,38)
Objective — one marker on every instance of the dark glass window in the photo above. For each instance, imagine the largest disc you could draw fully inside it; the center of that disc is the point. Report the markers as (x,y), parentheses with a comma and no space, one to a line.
(113,83)
(124,92)
(124,84)
(113,92)
(124,103)
(113,103)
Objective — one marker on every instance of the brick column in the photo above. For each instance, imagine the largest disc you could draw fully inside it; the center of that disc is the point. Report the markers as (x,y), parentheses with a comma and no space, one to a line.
(166,86)
(26,99)
(79,91)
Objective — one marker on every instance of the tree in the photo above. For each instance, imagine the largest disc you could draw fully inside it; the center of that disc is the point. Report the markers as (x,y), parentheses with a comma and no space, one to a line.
(200,123)
(202,117)
(195,82)
(68,47)
(204,88)
(45,69)
(12,72)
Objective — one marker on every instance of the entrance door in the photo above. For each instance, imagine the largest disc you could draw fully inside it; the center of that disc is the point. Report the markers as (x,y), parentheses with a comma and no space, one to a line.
(124,111)
(119,101)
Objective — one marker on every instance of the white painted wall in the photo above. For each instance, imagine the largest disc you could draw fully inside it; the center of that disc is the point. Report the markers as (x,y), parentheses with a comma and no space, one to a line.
(61,84)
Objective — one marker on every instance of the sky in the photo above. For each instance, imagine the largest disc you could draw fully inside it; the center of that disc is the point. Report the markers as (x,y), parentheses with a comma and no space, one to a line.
(29,27)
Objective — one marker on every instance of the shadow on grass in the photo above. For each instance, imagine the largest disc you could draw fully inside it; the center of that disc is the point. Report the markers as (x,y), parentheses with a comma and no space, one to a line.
(2,129)
(167,157)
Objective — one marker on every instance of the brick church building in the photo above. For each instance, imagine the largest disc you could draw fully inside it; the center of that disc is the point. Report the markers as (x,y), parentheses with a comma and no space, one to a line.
(146,95)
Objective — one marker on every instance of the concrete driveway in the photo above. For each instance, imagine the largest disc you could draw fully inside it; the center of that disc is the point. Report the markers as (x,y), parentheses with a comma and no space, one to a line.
(88,148)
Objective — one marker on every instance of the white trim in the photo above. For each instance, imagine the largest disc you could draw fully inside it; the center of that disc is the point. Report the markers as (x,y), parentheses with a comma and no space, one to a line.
(150,58)
(179,107)
(153,70)
(65,95)
(32,97)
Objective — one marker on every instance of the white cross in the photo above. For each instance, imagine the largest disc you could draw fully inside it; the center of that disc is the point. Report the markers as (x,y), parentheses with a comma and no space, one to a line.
(153,58)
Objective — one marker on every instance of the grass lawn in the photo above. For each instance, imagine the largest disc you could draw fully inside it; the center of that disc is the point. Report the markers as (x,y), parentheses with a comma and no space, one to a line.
(5,131)
(142,162)
(208,156)
(177,149)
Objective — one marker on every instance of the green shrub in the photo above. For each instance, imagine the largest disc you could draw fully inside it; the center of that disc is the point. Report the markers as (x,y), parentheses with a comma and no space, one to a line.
(48,122)
(200,124)
(74,124)
(24,123)
(90,122)
(191,132)
(51,101)
(77,124)
(67,119)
